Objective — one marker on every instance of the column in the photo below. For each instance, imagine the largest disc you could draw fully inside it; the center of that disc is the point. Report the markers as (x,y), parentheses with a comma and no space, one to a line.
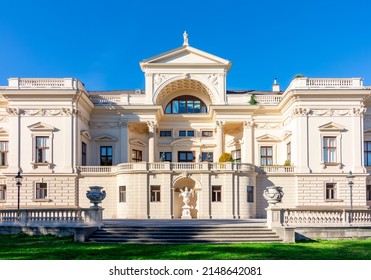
(247,149)
(302,140)
(124,141)
(151,140)
(357,123)
(219,139)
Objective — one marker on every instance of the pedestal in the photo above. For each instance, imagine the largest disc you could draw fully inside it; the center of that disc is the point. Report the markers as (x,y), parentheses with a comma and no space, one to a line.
(186,213)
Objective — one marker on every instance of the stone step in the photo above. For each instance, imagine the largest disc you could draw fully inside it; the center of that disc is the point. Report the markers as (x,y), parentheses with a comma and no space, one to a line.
(185,234)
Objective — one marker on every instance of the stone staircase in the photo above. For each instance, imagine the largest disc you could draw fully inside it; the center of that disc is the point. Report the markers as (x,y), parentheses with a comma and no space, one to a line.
(183,232)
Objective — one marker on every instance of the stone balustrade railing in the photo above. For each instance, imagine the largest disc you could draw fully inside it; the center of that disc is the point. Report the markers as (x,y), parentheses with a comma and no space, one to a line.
(168,166)
(105,99)
(326,83)
(276,169)
(268,99)
(45,83)
(277,217)
(65,217)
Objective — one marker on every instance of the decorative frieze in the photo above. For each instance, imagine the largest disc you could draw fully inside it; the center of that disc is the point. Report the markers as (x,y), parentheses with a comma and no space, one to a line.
(105,125)
(300,112)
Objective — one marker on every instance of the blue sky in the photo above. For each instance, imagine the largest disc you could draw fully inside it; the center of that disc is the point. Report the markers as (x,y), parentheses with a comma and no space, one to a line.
(102,42)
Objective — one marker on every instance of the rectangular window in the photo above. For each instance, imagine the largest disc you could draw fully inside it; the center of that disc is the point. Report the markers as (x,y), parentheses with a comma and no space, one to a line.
(236,155)
(4,153)
(216,193)
(186,133)
(2,192)
(185,157)
(208,156)
(207,133)
(41,191)
(105,155)
(155,194)
(83,153)
(165,133)
(368,192)
(330,191)
(250,193)
(122,193)
(42,148)
(266,156)
(288,150)
(165,156)
(367,153)
(329,149)
(136,155)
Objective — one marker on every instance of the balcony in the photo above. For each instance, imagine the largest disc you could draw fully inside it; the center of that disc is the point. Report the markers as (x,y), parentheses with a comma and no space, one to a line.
(133,167)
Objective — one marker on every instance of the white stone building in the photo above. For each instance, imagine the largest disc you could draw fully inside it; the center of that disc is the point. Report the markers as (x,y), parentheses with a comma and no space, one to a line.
(143,146)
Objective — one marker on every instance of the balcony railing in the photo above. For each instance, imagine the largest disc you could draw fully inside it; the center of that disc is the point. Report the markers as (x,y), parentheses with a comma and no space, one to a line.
(326,83)
(71,217)
(268,99)
(45,83)
(184,166)
(313,217)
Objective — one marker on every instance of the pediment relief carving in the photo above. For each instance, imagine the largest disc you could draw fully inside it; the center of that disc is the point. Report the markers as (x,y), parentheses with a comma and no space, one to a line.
(86,134)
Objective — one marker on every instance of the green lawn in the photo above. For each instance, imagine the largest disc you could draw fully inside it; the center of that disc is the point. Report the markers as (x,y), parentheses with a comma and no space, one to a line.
(21,247)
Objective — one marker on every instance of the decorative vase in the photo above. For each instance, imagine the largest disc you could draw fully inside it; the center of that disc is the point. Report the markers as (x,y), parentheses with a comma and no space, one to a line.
(273,194)
(95,195)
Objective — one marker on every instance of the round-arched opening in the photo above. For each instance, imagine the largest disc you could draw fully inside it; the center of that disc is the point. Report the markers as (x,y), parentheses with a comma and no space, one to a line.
(184,87)
(185,104)
(180,186)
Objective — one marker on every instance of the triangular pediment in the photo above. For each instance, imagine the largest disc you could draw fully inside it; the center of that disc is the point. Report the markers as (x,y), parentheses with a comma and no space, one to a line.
(267,138)
(286,134)
(331,126)
(39,126)
(185,55)
(86,134)
(4,132)
(138,142)
(105,138)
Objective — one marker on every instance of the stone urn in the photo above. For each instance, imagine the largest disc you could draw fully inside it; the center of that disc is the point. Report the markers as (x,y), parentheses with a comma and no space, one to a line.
(273,194)
(95,195)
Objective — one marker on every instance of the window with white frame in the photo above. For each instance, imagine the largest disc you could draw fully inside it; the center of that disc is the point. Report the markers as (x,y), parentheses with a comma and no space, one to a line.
(266,155)
(42,149)
(83,154)
(207,156)
(155,193)
(4,153)
(122,194)
(166,156)
(330,191)
(216,193)
(367,153)
(207,133)
(186,133)
(329,149)
(2,192)
(41,191)
(106,153)
(136,155)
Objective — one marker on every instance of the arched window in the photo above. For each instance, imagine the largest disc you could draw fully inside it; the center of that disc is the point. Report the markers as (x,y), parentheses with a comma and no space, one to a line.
(185,104)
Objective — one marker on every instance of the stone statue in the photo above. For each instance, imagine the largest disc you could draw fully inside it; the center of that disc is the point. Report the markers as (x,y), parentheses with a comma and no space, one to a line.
(185,38)
(186,194)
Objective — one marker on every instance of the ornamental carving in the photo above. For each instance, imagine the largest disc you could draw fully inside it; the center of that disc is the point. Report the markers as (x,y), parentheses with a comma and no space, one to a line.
(248,124)
(213,78)
(359,111)
(105,125)
(49,112)
(159,78)
(4,118)
(219,124)
(13,111)
(300,112)
(152,124)
(269,125)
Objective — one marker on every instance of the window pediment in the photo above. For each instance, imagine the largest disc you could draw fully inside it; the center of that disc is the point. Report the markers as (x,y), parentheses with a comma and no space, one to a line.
(331,126)
(4,132)
(39,126)
(86,134)
(267,138)
(137,142)
(105,138)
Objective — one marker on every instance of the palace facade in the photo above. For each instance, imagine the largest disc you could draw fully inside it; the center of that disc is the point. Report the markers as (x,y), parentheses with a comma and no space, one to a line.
(145,146)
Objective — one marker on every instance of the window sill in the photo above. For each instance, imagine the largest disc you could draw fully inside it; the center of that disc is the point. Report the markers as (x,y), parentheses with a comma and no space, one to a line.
(37,164)
(3,166)
(42,200)
(326,164)
(2,201)
(334,200)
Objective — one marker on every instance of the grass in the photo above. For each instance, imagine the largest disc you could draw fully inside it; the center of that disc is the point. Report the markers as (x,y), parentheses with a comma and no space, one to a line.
(22,247)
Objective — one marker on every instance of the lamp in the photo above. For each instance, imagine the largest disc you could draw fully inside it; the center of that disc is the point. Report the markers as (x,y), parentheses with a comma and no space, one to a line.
(350,178)
(18,182)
